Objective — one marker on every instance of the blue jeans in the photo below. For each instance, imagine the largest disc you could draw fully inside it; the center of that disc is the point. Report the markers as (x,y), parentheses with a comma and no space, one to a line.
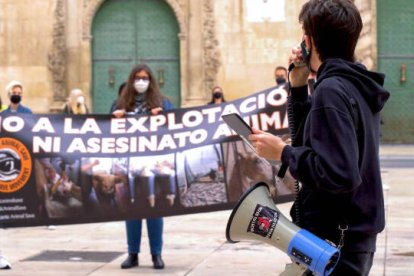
(134,231)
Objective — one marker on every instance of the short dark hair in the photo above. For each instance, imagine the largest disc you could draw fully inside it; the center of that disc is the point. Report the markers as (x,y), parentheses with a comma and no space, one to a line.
(333,25)
(281,68)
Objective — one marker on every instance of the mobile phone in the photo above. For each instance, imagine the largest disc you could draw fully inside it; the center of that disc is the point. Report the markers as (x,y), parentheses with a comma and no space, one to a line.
(305,57)
(235,122)
(238,124)
(305,51)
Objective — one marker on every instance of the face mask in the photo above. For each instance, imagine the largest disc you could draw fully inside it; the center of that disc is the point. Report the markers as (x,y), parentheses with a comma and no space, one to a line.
(141,86)
(80,100)
(280,80)
(217,95)
(15,99)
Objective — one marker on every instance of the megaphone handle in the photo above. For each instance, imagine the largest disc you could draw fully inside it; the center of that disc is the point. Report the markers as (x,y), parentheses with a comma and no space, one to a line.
(282,171)
(297,203)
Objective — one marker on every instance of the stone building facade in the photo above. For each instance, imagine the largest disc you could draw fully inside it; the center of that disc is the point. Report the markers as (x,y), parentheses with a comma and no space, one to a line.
(48,46)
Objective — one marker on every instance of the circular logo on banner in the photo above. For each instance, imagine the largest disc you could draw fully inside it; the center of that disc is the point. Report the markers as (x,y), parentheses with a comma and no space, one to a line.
(15,165)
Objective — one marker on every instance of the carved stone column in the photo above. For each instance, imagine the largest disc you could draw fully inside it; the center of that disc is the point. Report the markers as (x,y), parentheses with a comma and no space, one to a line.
(366,48)
(211,52)
(57,57)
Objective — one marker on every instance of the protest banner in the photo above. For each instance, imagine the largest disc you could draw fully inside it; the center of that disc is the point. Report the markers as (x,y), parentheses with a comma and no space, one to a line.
(67,169)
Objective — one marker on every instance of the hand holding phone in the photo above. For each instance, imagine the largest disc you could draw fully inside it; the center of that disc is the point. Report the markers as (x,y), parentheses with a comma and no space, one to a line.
(299,59)
(235,122)
(304,59)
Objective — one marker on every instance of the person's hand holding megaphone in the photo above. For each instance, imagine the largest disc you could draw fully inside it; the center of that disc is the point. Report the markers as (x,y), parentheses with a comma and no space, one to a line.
(267,145)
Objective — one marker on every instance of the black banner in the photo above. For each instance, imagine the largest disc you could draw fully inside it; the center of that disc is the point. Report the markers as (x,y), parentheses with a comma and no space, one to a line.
(66,169)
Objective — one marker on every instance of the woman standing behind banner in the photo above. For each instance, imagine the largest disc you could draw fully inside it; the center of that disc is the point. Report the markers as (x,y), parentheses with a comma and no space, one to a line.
(75,103)
(142,96)
(217,96)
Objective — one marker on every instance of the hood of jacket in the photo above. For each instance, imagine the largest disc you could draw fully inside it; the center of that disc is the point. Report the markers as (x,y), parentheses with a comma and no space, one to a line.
(369,84)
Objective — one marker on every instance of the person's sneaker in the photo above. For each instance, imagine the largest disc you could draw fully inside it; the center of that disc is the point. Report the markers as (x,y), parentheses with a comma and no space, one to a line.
(131,261)
(4,264)
(158,262)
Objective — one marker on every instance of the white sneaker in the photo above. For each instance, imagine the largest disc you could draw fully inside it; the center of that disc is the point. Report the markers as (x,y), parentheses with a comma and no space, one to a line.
(51,227)
(4,264)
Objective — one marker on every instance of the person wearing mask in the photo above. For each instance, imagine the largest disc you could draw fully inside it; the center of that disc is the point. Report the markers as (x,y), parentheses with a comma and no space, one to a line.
(217,95)
(142,96)
(14,92)
(336,158)
(76,103)
(281,75)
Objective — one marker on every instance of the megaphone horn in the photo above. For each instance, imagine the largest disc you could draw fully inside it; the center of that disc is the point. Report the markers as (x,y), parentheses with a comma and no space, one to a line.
(257,218)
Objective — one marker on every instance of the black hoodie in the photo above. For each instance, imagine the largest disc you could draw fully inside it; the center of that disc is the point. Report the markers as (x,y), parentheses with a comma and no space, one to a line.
(337,160)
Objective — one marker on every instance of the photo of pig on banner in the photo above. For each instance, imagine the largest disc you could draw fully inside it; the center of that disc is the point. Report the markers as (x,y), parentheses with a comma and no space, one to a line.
(66,169)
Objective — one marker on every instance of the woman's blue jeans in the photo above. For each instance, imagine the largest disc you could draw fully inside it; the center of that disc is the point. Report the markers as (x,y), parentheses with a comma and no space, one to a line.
(134,232)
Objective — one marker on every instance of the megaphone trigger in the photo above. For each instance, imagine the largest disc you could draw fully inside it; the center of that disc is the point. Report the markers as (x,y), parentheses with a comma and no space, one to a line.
(256,217)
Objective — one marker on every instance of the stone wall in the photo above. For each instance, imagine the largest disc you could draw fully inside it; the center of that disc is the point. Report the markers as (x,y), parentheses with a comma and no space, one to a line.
(250,51)
(366,51)
(25,39)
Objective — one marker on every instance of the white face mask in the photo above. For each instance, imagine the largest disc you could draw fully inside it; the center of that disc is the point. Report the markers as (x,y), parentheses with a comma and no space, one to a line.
(80,100)
(141,86)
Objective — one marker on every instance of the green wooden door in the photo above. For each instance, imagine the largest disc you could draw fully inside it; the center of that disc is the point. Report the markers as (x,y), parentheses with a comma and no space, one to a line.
(396,60)
(129,32)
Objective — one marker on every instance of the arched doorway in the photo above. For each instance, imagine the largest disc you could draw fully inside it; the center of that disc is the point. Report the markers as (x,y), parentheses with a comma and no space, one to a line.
(128,32)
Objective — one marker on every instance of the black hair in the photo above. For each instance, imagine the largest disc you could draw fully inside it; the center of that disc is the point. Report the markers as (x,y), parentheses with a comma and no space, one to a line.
(281,68)
(333,25)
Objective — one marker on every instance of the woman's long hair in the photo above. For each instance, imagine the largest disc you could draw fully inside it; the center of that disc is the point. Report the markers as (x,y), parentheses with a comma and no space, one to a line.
(212,101)
(154,97)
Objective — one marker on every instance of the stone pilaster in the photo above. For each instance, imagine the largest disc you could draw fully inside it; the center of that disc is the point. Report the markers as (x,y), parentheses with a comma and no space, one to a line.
(211,52)
(57,57)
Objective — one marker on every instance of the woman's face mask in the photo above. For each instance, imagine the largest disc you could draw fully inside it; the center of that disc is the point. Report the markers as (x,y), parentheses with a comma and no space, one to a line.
(15,99)
(141,86)
(80,100)
(217,94)
(280,80)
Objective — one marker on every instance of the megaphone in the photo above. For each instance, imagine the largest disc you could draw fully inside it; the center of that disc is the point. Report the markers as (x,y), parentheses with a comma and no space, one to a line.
(257,218)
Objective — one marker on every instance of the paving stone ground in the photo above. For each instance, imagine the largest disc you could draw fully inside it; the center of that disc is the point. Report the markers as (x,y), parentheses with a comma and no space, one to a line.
(196,244)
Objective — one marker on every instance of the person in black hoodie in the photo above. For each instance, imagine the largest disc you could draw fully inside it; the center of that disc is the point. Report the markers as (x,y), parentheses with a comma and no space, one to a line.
(335,155)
